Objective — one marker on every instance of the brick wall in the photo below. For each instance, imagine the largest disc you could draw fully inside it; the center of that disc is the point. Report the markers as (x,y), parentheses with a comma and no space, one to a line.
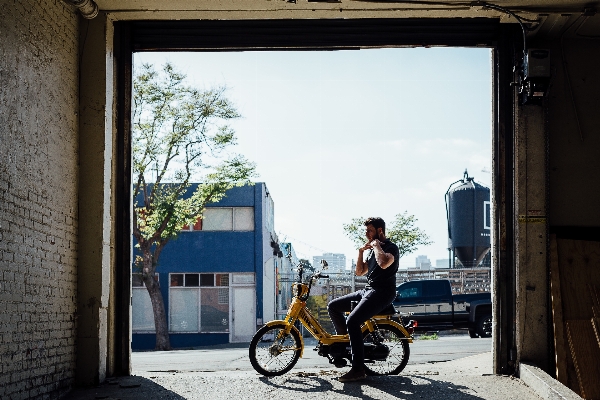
(38,197)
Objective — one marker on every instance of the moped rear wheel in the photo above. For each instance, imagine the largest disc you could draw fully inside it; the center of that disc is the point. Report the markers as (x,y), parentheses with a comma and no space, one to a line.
(395,340)
(272,352)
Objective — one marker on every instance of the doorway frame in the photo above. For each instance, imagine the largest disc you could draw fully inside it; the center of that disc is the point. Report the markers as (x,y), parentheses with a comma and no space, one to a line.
(334,34)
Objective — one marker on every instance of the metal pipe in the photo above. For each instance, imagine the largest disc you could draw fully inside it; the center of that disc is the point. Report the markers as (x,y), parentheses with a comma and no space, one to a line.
(474,222)
(87,8)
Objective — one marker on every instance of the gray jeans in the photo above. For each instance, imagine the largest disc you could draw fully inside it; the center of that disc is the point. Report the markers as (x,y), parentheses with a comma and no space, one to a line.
(370,302)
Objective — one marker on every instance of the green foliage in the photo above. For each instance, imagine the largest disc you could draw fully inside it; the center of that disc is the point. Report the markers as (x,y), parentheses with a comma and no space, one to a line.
(401,231)
(429,336)
(317,305)
(316,302)
(179,134)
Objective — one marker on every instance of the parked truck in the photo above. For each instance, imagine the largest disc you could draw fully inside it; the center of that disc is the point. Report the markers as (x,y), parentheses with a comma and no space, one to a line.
(434,307)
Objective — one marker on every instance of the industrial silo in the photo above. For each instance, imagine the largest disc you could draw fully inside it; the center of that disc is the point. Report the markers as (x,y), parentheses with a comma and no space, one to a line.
(469,221)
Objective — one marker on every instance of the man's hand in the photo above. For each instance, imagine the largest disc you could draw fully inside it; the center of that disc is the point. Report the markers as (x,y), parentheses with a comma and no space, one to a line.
(375,243)
(371,245)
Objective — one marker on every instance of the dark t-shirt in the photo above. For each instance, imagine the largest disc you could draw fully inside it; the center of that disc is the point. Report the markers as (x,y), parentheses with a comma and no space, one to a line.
(379,277)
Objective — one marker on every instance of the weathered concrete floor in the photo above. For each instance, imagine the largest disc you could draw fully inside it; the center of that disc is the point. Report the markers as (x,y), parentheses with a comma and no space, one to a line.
(462,379)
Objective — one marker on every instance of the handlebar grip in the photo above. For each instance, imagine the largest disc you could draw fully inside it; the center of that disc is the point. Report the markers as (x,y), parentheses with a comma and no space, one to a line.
(324,276)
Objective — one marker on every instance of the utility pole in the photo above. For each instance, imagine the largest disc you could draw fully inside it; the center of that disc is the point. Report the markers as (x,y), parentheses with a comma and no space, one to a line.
(353,275)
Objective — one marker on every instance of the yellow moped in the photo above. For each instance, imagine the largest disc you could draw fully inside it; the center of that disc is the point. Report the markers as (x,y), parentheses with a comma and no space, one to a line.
(277,346)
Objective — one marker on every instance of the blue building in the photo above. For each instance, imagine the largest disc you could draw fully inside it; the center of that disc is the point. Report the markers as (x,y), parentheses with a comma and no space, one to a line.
(217,277)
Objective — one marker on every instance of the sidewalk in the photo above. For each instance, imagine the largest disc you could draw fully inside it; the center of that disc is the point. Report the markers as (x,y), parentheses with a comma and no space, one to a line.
(461,379)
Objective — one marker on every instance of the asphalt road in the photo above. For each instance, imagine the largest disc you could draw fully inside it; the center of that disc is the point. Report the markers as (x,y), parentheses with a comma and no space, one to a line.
(234,357)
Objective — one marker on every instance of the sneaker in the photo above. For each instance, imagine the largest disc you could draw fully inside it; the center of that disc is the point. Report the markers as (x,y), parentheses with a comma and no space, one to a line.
(353,375)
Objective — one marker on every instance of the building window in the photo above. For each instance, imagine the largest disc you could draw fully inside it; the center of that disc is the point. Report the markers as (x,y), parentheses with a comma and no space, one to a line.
(217,219)
(226,219)
(243,279)
(142,315)
(223,295)
(222,279)
(196,227)
(192,280)
(243,219)
(184,310)
(207,279)
(214,315)
(199,303)
(176,279)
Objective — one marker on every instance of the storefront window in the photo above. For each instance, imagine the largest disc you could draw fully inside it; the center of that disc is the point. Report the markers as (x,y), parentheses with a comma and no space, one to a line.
(199,303)
(142,315)
(214,315)
(184,310)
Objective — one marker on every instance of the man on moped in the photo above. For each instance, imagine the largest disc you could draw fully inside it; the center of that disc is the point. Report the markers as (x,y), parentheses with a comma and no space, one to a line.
(378,259)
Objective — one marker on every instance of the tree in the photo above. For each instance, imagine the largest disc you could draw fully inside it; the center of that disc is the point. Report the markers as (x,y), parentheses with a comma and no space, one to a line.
(179,134)
(401,231)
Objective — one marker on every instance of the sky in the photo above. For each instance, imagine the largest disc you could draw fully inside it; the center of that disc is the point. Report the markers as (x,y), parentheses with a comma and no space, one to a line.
(355,133)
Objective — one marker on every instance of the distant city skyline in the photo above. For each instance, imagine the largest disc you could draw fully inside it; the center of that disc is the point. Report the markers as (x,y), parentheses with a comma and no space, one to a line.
(343,134)
(336,261)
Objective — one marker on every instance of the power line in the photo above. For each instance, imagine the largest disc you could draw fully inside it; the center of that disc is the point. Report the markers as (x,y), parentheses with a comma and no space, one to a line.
(288,238)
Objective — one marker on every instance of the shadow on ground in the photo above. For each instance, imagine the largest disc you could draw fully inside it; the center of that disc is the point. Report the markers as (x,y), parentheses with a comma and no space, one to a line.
(399,387)
(124,388)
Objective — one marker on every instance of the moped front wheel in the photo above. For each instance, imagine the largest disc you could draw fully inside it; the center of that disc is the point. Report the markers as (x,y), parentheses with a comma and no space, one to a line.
(272,352)
(395,340)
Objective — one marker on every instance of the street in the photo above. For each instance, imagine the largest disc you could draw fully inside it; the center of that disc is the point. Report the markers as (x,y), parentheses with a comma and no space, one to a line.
(234,357)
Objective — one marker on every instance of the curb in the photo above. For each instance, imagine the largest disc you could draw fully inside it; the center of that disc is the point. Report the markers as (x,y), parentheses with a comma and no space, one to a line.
(544,385)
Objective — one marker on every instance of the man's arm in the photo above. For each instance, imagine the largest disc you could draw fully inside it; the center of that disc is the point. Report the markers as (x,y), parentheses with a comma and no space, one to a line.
(383,259)
(361,267)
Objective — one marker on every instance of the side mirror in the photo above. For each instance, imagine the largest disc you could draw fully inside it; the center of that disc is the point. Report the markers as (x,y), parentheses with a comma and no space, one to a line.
(324,264)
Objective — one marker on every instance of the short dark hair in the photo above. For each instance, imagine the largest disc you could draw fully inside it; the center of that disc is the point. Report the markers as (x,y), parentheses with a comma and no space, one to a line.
(376,222)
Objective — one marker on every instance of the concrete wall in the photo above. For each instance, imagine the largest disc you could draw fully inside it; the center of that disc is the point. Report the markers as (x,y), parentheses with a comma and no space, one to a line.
(38,197)
(557,166)
(532,294)
(96,280)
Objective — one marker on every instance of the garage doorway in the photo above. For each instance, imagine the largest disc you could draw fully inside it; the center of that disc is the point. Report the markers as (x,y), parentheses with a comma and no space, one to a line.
(340,34)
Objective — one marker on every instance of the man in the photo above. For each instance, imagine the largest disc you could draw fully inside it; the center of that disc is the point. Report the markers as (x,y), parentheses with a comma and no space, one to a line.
(378,259)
